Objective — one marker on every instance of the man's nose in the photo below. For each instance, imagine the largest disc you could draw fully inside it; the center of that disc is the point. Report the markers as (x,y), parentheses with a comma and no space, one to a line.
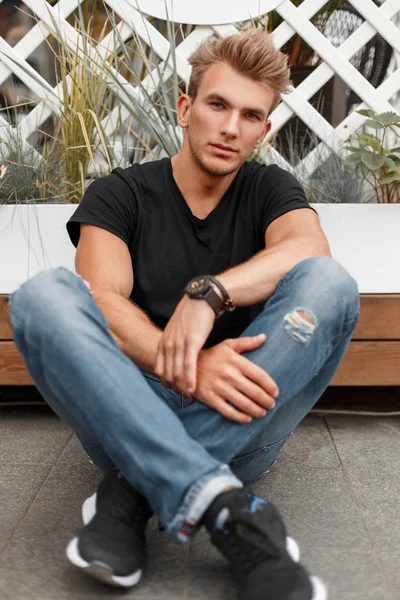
(230,125)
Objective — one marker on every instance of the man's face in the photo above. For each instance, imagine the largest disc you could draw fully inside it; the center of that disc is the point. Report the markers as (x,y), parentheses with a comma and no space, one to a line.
(227,119)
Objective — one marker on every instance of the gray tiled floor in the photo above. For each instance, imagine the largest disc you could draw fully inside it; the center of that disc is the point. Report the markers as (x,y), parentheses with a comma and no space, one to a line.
(337,484)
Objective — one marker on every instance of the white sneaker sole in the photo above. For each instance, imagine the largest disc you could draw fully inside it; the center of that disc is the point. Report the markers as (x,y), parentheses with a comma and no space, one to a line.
(319,589)
(97,569)
(89,509)
(293,549)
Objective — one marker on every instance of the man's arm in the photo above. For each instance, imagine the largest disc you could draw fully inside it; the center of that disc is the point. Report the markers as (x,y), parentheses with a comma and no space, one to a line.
(295,236)
(104,261)
(289,240)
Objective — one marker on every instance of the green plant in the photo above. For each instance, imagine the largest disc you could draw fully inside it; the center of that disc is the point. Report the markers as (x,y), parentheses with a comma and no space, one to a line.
(29,175)
(329,179)
(133,98)
(379,165)
(117,106)
(84,102)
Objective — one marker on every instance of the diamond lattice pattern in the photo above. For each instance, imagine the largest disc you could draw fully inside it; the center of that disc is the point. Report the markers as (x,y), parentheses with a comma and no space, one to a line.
(339,47)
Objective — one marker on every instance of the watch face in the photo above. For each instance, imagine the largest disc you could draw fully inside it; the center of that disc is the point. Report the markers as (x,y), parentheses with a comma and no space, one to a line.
(199,285)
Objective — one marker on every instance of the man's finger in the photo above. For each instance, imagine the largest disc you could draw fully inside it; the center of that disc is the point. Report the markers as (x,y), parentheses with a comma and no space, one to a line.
(178,365)
(244,403)
(231,413)
(169,358)
(159,364)
(255,393)
(190,367)
(245,344)
(258,376)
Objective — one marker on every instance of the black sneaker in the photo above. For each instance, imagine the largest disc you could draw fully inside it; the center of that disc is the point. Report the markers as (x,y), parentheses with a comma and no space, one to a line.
(251,535)
(111,545)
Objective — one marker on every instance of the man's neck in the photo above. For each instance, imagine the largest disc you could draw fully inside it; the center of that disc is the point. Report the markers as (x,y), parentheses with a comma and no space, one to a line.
(202,191)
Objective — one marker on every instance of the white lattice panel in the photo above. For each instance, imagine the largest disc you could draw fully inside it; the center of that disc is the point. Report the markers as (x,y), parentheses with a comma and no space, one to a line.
(210,17)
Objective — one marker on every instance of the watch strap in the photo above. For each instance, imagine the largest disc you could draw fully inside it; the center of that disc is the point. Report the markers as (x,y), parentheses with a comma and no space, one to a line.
(215,301)
(228,304)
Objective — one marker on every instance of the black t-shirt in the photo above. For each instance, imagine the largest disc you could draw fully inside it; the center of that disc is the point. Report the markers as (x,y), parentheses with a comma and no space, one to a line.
(144,207)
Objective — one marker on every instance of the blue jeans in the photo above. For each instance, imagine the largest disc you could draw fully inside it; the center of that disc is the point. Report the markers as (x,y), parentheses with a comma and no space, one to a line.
(181,456)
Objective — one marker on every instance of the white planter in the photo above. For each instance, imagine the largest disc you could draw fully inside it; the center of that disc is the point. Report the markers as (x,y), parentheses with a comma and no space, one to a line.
(364,238)
(33,238)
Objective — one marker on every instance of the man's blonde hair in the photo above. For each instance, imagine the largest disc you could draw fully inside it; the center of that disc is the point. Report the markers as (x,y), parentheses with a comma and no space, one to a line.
(251,54)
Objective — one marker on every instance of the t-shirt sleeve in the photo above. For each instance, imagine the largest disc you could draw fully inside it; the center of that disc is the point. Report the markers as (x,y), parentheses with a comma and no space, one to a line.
(280,193)
(110,203)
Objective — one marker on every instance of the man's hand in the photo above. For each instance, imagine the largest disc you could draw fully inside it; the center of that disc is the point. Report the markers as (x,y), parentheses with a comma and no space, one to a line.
(179,347)
(231,383)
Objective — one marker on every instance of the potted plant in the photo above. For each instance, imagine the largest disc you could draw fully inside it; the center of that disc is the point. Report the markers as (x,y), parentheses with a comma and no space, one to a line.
(349,186)
(379,165)
(365,236)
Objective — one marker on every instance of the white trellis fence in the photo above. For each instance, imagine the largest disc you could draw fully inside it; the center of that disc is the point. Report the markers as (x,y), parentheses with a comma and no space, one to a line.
(218,17)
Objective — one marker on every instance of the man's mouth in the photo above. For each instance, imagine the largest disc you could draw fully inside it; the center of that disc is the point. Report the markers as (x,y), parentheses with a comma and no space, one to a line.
(223,150)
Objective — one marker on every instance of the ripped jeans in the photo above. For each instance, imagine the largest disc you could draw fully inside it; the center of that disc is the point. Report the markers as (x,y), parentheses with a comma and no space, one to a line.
(181,456)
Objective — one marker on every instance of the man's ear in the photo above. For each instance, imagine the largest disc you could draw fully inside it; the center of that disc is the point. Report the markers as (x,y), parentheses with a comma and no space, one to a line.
(266,129)
(183,109)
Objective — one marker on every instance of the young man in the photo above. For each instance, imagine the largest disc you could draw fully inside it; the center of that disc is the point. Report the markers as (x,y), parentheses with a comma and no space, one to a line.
(176,397)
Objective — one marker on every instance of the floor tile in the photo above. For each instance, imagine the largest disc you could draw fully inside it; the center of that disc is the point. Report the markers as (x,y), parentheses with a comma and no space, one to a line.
(339,500)
(32,438)
(389,562)
(316,505)
(370,453)
(364,439)
(209,575)
(38,547)
(19,485)
(166,570)
(310,444)
(349,574)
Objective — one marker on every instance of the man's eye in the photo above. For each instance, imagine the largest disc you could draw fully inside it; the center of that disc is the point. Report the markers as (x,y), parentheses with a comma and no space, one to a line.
(217,104)
(252,116)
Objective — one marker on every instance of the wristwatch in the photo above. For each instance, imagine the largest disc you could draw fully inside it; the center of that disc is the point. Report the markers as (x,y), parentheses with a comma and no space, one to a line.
(202,288)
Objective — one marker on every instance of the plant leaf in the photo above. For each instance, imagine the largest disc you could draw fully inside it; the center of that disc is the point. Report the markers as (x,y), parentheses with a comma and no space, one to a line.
(397,149)
(353,159)
(391,164)
(395,159)
(390,177)
(365,139)
(352,148)
(388,118)
(372,161)
(373,124)
(367,113)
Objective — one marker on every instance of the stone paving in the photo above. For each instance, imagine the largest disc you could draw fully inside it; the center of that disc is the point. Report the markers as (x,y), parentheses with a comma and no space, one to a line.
(337,484)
